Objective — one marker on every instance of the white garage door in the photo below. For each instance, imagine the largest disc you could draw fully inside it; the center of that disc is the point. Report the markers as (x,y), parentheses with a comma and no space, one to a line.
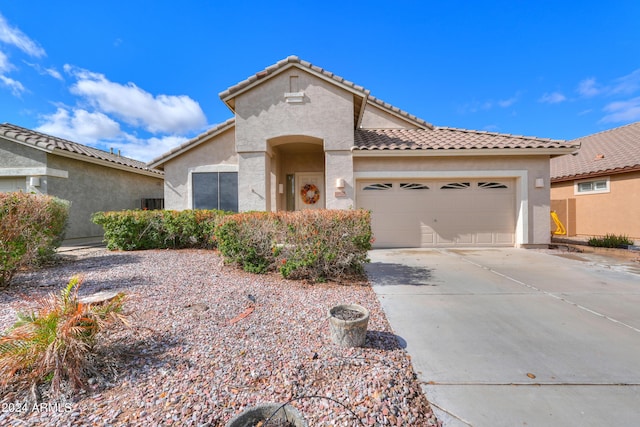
(427,213)
(8,185)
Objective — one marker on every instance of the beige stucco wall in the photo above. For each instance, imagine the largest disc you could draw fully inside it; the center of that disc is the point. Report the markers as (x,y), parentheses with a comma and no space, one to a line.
(14,155)
(375,118)
(18,163)
(92,188)
(262,114)
(218,150)
(615,212)
(532,202)
(89,187)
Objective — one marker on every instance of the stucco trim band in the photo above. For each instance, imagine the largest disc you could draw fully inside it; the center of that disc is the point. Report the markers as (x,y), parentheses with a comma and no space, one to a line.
(42,171)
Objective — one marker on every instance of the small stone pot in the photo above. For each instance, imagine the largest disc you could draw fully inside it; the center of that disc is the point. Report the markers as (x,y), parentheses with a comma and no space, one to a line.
(350,332)
(254,414)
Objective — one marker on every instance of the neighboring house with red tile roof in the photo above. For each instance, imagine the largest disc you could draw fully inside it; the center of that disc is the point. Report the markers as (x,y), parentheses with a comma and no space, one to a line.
(92,180)
(303,138)
(596,190)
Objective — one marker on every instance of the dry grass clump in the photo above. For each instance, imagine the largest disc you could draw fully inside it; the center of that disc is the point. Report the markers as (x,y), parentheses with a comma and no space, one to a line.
(55,343)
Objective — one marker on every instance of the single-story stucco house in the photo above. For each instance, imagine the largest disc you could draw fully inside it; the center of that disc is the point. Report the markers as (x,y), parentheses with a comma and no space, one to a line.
(92,180)
(303,138)
(596,190)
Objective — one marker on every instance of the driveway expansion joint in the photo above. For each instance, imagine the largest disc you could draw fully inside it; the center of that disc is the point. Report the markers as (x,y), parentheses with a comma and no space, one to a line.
(549,294)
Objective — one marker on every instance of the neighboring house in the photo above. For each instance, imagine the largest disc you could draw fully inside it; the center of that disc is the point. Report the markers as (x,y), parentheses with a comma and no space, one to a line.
(596,190)
(304,138)
(92,180)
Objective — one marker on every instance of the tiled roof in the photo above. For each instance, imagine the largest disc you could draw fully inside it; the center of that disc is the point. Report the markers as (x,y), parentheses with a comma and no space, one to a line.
(51,143)
(612,151)
(445,138)
(402,113)
(192,142)
(283,63)
(294,60)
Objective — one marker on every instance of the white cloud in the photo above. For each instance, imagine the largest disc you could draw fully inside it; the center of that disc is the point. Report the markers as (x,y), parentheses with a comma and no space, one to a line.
(627,84)
(504,103)
(52,72)
(13,36)
(16,87)
(80,126)
(622,111)
(553,98)
(588,87)
(147,149)
(5,65)
(98,130)
(135,106)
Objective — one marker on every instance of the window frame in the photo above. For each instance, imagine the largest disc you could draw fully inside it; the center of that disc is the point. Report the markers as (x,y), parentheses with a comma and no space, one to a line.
(607,186)
(218,169)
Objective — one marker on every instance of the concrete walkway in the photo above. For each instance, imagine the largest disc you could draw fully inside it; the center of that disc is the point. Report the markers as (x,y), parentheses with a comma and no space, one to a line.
(514,337)
(71,245)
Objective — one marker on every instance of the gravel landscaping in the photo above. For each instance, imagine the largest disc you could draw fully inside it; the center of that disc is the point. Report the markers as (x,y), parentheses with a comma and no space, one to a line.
(209,340)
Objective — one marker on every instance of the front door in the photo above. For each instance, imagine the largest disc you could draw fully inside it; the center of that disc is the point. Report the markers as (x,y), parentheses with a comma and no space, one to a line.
(309,190)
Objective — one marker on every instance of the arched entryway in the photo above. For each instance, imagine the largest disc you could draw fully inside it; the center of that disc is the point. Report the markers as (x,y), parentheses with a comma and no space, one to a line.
(298,172)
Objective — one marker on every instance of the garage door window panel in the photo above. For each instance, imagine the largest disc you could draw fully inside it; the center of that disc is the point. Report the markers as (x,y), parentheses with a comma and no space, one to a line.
(456,186)
(378,186)
(412,186)
(498,185)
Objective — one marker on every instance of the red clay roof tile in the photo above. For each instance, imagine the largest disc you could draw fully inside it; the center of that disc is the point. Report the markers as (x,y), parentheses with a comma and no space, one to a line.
(619,148)
(444,138)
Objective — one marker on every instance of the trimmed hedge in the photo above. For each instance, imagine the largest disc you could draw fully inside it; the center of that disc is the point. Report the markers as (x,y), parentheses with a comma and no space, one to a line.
(158,229)
(312,244)
(32,227)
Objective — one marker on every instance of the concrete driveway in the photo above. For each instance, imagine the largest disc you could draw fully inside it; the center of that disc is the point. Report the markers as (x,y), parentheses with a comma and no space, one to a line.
(515,337)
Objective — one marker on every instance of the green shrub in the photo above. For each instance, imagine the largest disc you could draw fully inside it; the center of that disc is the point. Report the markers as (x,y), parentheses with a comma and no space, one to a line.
(56,342)
(313,244)
(246,240)
(142,229)
(610,241)
(32,227)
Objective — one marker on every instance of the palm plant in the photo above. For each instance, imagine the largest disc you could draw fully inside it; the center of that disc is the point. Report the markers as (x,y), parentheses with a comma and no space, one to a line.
(56,342)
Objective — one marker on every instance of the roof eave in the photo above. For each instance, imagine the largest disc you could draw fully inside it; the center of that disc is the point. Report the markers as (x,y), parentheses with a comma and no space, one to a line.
(50,149)
(453,152)
(595,174)
(107,163)
(38,146)
(221,128)
(397,112)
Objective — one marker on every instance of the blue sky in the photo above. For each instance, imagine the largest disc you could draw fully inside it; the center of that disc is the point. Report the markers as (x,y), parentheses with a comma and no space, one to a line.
(144,76)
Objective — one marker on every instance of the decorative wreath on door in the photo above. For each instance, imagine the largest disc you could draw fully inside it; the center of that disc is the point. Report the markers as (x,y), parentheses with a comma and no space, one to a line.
(310,194)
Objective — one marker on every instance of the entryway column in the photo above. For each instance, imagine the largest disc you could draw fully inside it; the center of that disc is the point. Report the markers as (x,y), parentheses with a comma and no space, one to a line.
(339,170)
(254,181)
